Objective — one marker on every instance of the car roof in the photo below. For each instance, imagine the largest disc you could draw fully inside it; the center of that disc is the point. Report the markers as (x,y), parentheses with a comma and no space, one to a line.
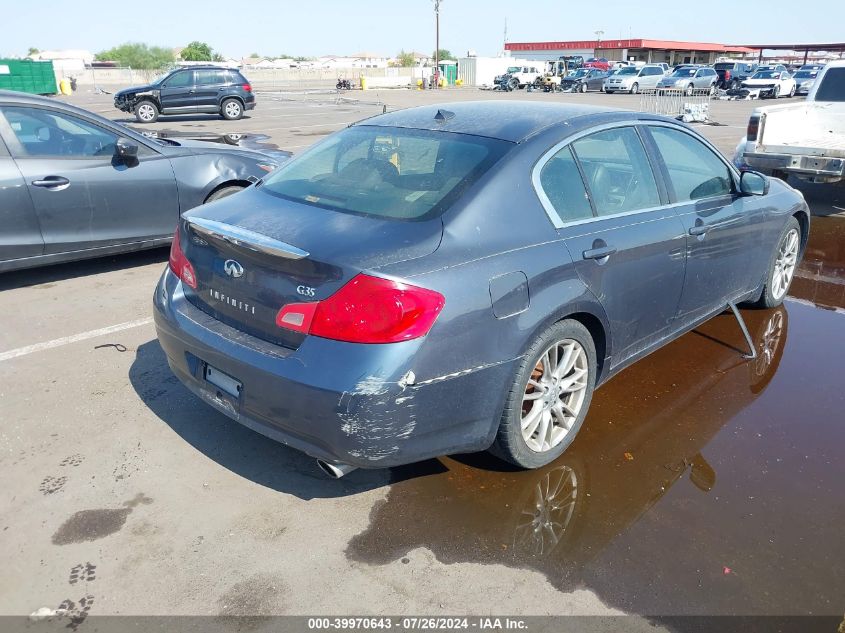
(513,121)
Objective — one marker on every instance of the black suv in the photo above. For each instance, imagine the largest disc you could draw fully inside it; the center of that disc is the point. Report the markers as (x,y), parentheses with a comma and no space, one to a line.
(732,74)
(199,89)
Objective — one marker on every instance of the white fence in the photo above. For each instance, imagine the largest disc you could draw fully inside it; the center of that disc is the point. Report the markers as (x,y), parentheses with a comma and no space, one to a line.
(690,106)
(111,79)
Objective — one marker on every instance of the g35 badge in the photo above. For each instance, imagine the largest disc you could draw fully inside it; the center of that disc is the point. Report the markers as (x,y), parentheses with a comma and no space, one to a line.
(306,291)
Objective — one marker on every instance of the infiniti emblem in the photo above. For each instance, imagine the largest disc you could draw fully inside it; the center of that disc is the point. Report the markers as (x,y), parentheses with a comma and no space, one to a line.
(233,268)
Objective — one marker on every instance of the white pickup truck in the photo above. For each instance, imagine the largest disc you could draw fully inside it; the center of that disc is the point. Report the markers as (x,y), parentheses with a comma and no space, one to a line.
(806,139)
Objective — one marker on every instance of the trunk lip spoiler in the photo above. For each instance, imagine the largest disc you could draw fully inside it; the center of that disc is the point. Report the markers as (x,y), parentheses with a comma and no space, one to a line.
(245,238)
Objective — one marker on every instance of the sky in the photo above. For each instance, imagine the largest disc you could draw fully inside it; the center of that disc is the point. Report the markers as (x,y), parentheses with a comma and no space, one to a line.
(320,27)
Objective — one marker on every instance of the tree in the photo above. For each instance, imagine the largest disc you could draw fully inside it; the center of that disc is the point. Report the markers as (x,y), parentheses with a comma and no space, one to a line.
(32,51)
(217,57)
(405,59)
(444,54)
(137,55)
(197,52)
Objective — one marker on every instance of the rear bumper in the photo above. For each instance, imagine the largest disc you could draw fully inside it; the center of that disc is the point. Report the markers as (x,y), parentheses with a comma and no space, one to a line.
(335,401)
(816,166)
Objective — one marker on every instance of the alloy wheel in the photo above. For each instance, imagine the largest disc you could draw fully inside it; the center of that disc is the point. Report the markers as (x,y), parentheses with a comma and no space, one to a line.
(146,112)
(554,395)
(233,109)
(785,262)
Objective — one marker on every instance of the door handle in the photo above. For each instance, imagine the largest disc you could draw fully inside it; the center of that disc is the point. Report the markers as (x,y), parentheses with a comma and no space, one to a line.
(191,91)
(599,253)
(51,182)
(699,229)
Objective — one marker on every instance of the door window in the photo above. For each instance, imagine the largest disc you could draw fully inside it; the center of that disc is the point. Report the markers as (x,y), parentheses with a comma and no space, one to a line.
(41,132)
(561,182)
(180,79)
(618,173)
(695,172)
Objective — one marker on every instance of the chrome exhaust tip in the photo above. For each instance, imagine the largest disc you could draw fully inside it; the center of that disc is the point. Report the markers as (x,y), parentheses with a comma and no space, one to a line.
(335,470)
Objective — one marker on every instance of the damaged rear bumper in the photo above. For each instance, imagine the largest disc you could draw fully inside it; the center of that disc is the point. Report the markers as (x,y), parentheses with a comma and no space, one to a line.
(340,402)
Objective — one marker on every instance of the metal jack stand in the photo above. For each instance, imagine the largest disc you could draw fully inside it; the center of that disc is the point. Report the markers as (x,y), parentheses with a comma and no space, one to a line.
(745,333)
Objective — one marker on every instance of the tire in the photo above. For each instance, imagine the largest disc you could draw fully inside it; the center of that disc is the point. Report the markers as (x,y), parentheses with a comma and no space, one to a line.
(712,89)
(735,85)
(554,430)
(231,109)
(635,88)
(776,92)
(690,89)
(223,192)
(787,253)
(146,111)
(583,88)
(793,91)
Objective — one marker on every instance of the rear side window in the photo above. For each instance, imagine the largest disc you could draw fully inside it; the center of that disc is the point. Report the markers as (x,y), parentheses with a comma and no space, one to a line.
(391,173)
(617,170)
(832,87)
(211,77)
(695,172)
(561,182)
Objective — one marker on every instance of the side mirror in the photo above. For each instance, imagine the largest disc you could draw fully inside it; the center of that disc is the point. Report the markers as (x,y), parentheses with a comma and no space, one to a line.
(752,183)
(126,149)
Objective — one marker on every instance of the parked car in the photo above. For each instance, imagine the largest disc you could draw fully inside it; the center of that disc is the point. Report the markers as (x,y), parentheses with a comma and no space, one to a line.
(664,66)
(584,79)
(518,77)
(732,74)
(632,79)
(199,89)
(804,139)
(771,84)
(74,185)
(573,62)
(804,80)
(689,79)
(346,304)
(597,62)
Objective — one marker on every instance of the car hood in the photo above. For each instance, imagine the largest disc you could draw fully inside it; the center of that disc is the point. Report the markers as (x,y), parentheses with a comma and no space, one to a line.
(193,147)
(135,90)
(759,82)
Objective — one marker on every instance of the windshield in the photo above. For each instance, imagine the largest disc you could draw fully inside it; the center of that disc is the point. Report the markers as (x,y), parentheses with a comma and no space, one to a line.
(684,72)
(628,70)
(806,74)
(578,73)
(159,78)
(766,74)
(391,173)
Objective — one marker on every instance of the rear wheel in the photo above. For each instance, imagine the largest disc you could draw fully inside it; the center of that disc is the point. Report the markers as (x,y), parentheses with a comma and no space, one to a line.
(549,397)
(146,112)
(782,266)
(231,109)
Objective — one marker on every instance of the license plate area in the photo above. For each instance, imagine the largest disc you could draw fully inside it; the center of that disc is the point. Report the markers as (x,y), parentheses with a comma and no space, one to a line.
(222,381)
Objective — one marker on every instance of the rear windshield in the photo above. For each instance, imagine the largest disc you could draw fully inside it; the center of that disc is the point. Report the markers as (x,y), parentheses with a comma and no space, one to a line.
(390,173)
(832,87)
(724,66)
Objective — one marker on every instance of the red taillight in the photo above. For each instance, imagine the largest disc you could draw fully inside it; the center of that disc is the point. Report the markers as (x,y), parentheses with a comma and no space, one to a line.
(753,128)
(727,75)
(179,264)
(366,310)
(247,87)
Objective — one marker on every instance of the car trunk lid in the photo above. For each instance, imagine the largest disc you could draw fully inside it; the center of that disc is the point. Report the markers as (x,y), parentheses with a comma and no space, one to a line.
(254,253)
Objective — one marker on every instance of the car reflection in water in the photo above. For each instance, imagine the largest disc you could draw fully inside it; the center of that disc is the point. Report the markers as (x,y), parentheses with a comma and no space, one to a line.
(820,279)
(645,433)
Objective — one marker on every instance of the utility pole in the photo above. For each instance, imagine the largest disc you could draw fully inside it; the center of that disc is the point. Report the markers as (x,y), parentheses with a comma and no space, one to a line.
(437,43)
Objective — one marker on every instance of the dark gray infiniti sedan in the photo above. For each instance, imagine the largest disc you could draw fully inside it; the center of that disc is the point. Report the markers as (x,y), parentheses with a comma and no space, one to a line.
(75,185)
(461,277)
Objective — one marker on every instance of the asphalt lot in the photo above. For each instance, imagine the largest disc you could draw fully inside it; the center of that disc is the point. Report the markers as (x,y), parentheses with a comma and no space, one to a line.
(702,483)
